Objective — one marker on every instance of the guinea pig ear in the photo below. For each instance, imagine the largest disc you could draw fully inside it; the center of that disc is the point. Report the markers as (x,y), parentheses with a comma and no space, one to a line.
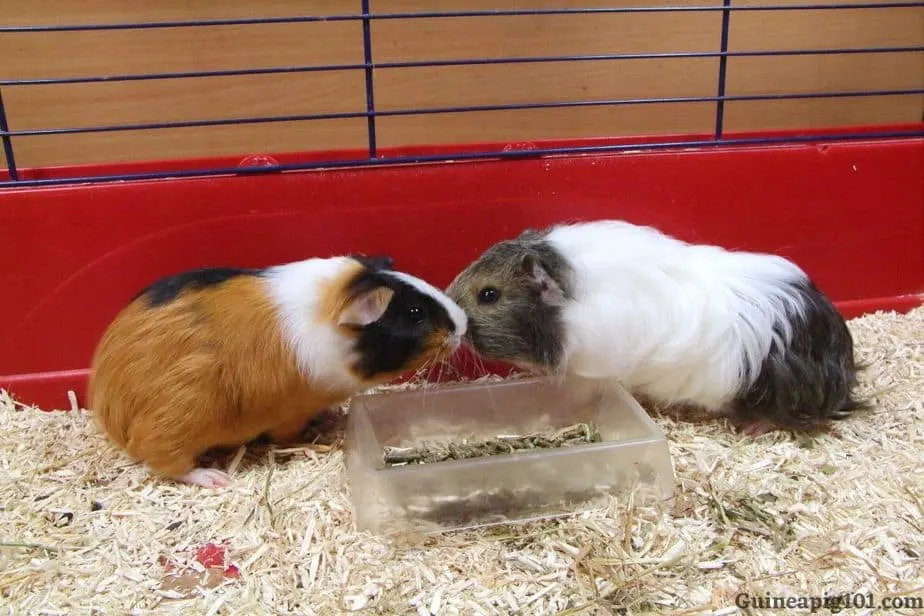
(537,276)
(366,308)
(375,262)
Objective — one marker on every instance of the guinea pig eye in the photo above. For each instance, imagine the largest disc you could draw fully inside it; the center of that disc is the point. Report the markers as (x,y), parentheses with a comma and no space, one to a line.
(488,295)
(416,314)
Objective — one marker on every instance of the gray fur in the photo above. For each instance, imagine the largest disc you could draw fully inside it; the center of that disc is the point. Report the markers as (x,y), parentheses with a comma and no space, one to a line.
(811,380)
(520,327)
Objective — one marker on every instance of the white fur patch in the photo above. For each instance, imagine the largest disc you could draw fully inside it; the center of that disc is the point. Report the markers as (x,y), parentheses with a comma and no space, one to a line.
(678,322)
(324,353)
(456,314)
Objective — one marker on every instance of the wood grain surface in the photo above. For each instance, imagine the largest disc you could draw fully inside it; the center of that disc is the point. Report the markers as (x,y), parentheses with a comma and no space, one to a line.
(46,55)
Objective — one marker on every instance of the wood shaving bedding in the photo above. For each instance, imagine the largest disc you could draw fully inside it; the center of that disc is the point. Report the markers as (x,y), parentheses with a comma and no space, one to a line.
(85,531)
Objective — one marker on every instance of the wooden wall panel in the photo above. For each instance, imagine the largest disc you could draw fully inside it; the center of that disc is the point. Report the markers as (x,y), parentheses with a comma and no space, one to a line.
(51,12)
(120,52)
(558,82)
(181,143)
(543,35)
(769,75)
(48,55)
(166,50)
(177,100)
(531,124)
(546,35)
(824,29)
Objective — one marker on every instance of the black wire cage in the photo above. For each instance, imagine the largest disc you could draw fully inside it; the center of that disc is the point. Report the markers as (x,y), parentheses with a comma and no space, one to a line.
(725,41)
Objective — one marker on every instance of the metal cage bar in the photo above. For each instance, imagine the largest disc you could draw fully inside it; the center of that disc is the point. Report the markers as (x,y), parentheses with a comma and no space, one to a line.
(723,69)
(369,70)
(7,142)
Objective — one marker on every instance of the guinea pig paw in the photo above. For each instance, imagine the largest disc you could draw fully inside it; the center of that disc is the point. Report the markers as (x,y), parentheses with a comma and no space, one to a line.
(755,428)
(207,478)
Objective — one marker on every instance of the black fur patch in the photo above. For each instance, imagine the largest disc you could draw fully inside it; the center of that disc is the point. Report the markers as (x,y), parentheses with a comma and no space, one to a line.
(375,262)
(812,380)
(169,288)
(396,340)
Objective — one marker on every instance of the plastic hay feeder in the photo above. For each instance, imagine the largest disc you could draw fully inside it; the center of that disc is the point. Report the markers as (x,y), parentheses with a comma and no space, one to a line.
(631,455)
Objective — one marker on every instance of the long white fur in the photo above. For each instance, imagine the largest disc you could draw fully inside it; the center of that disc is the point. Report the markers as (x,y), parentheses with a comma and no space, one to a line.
(681,323)
(323,352)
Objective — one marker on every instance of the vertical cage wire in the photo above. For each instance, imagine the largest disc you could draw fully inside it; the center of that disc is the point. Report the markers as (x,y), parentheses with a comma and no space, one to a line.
(369,70)
(723,68)
(7,142)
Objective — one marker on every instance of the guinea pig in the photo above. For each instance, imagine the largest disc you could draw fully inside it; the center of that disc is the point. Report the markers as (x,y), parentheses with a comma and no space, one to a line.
(218,357)
(736,334)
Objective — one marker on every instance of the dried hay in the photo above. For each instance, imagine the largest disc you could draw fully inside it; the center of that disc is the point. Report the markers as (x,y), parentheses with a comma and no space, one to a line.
(84,531)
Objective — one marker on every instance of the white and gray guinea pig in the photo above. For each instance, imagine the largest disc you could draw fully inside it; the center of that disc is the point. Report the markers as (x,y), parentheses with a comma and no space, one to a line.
(218,357)
(731,333)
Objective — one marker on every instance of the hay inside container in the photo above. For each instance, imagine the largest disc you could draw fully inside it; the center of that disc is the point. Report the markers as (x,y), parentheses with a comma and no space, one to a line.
(428,452)
(527,448)
(84,530)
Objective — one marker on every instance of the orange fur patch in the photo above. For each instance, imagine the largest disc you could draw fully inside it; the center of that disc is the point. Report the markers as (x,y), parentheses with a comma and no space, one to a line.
(208,369)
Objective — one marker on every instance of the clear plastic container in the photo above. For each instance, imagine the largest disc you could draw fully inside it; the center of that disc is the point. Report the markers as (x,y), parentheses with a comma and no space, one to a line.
(632,454)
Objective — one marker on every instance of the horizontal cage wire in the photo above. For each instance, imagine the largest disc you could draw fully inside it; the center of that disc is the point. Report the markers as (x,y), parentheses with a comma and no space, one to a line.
(372,153)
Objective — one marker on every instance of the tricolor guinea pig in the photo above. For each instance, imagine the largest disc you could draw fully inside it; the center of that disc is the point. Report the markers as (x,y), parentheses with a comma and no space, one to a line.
(732,333)
(217,357)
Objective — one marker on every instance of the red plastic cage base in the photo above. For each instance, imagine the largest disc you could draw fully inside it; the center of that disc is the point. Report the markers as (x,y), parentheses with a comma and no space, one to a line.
(850,213)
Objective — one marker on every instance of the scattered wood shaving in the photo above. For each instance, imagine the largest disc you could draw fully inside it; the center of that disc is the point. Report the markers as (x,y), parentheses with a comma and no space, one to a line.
(83,530)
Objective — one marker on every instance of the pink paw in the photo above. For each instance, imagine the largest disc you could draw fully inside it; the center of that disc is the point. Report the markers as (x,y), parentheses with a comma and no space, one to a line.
(756,427)
(207,478)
